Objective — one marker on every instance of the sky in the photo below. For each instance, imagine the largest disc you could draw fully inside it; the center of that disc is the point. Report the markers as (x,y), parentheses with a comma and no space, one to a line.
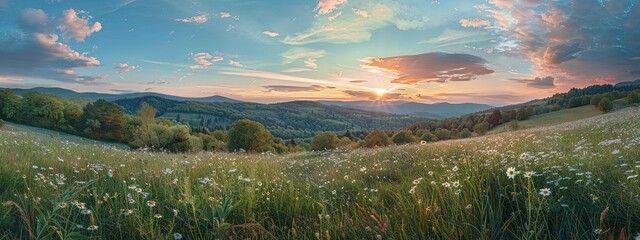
(496,52)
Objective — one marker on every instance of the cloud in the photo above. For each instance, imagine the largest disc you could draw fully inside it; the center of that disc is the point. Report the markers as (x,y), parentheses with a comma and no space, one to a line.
(432,67)
(74,26)
(36,53)
(296,70)
(204,59)
(310,63)
(123,67)
(271,34)
(195,19)
(474,22)
(354,28)
(580,42)
(295,53)
(374,96)
(225,15)
(474,97)
(287,88)
(358,81)
(545,82)
(560,53)
(236,64)
(331,18)
(359,12)
(327,6)
(455,37)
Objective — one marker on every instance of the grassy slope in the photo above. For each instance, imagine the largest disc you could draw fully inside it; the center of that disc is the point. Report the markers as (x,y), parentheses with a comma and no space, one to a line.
(403,192)
(565,115)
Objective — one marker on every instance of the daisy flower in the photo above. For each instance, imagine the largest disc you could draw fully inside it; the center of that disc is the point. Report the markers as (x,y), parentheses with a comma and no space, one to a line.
(545,192)
(151,203)
(511,172)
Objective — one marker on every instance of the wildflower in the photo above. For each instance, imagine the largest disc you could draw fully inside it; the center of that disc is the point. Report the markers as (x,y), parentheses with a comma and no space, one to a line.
(423,142)
(528,174)
(80,205)
(151,203)
(138,190)
(233,170)
(455,168)
(126,212)
(511,172)
(468,206)
(346,177)
(92,227)
(177,236)
(412,190)
(175,212)
(86,211)
(157,216)
(597,231)
(333,192)
(456,184)
(132,186)
(62,205)
(260,184)
(110,173)
(545,192)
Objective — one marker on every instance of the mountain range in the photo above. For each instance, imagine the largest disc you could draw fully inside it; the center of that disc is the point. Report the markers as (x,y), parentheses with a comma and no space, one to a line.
(415,109)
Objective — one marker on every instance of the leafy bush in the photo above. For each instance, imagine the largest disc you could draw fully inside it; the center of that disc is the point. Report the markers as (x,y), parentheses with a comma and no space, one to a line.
(376,138)
(325,141)
(250,136)
(605,105)
(404,137)
(1,123)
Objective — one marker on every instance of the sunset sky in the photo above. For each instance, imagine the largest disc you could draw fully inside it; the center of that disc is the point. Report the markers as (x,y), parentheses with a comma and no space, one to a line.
(496,52)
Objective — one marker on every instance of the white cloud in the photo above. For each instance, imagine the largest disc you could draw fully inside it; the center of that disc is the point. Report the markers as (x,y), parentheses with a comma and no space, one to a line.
(474,22)
(236,64)
(327,6)
(73,26)
(225,15)
(204,59)
(270,33)
(123,67)
(359,12)
(354,28)
(311,63)
(195,19)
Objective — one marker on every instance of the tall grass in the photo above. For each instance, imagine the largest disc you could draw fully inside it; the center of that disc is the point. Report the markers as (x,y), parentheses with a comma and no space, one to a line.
(449,190)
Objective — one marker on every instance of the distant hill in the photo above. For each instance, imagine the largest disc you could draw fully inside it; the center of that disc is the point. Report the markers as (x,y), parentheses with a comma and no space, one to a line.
(435,110)
(66,93)
(297,119)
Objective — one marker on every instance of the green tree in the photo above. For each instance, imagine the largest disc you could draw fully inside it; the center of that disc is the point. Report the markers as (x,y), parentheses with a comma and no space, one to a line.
(9,104)
(443,134)
(465,133)
(522,114)
(605,105)
(495,118)
(108,115)
(482,128)
(72,113)
(404,137)
(376,138)
(428,137)
(633,97)
(145,134)
(250,136)
(325,141)
(555,108)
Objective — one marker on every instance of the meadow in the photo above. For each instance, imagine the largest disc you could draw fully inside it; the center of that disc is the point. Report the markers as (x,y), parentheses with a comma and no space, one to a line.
(574,180)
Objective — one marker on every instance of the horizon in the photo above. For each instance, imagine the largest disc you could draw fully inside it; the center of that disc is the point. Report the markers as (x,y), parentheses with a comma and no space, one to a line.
(494,52)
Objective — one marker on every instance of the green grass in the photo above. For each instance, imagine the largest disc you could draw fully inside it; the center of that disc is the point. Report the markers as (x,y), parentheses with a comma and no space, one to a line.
(565,115)
(446,190)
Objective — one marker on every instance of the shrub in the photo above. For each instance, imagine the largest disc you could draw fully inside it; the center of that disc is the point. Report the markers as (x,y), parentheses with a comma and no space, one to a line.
(1,123)
(605,105)
(428,137)
(325,141)
(376,138)
(482,128)
(465,133)
(250,136)
(404,137)
(633,97)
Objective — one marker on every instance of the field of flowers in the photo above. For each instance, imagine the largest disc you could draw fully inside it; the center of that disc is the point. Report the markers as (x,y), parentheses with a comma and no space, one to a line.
(577,180)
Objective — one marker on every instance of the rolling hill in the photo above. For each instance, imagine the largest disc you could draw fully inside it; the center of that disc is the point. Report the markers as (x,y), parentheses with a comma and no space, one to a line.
(66,93)
(435,110)
(297,119)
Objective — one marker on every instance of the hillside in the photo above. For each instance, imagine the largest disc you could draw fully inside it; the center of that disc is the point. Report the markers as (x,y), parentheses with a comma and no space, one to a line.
(562,116)
(298,119)
(66,93)
(435,110)
(568,180)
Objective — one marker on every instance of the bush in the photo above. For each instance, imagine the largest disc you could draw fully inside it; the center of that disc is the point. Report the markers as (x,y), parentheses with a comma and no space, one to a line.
(249,136)
(465,133)
(377,138)
(325,141)
(633,97)
(482,128)
(428,137)
(605,105)
(443,134)
(404,137)
(1,123)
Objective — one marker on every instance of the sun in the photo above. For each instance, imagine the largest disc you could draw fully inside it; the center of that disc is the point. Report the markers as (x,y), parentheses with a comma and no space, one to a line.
(381,92)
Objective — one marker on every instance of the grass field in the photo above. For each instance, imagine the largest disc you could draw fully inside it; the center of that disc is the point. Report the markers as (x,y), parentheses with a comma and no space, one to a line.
(565,115)
(575,180)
